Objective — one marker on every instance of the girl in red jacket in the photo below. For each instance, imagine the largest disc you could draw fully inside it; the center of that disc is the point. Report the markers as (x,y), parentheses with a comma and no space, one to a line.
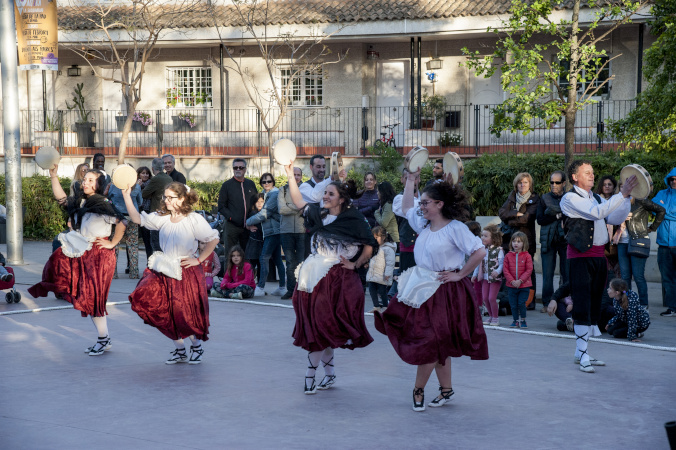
(238,279)
(211,266)
(517,269)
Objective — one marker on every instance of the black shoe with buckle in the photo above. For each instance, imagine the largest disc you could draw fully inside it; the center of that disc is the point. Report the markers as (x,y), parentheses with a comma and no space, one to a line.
(444,396)
(419,406)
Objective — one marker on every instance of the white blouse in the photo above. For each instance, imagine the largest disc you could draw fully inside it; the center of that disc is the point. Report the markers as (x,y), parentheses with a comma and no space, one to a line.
(444,249)
(97,225)
(179,240)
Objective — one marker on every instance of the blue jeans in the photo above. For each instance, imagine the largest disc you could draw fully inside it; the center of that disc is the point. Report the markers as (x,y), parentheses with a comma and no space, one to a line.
(271,249)
(293,245)
(517,301)
(633,266)
(666,260)
(548,267)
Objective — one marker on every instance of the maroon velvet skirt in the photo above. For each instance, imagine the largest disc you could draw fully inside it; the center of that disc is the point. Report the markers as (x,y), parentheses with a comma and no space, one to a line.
(447,324)
(178,308)
(84,281)
(332,314)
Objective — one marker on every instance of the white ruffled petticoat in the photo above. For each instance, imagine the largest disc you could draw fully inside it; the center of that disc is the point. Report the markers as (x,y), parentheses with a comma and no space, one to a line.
(313,269)
(74,244)
(171,267)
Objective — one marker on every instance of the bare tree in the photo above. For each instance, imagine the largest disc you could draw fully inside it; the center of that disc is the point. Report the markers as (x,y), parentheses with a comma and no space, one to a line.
(297,55)
(122,34)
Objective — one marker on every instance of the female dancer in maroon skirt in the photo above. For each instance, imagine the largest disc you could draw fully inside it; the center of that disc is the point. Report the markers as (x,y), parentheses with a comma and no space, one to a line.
(435,315)
(172,294)
(329,298)
(81,270)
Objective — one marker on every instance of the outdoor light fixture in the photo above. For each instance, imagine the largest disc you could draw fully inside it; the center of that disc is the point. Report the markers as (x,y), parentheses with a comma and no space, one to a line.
(372,54)
(73,71)
(434,64)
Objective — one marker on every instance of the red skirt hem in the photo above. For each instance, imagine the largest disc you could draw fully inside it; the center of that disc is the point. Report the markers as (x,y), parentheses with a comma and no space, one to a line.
(447,325)
(178,308)
(84,282)
(333,314)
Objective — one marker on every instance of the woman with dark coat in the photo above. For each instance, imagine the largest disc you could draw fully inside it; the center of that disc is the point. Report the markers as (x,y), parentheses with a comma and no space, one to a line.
(519,212)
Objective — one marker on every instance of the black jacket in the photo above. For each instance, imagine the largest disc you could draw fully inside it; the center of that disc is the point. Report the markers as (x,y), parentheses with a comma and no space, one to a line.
(550,219)
(641,212)
(525,223)
(234,199)
(177,176)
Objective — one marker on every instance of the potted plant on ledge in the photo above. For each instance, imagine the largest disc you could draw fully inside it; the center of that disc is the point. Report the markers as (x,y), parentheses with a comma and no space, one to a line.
(450,139)
(433,107)
(84,128)
(187,121)
(140,121)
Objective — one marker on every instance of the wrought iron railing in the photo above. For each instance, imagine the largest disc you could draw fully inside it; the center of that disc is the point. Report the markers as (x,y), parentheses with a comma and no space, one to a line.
(350,130)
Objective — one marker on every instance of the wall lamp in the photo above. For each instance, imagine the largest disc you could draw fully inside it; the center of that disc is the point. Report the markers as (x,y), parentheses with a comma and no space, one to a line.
(73,71)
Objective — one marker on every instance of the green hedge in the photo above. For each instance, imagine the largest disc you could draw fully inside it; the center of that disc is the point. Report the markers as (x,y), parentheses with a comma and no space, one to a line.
(488,178)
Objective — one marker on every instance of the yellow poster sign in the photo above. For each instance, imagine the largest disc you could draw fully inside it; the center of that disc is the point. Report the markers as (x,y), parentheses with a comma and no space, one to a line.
(37,34)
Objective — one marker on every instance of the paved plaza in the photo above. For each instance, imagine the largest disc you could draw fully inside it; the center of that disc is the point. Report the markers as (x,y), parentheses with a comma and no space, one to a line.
(248,391)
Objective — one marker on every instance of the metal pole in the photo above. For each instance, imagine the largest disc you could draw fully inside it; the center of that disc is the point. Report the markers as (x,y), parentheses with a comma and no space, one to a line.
(419,69)
(599,127)
(476,130)
(222,93)
(639,77)
(44,100)
(412,125)
(11,133)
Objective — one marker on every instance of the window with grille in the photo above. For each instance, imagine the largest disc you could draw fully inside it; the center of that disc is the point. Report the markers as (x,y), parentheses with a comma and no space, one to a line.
(586,78)
(306,90)
(188,87)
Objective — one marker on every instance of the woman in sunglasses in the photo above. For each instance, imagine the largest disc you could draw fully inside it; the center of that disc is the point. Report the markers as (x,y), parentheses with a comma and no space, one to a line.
(268,218)
(435,316)
(172,294)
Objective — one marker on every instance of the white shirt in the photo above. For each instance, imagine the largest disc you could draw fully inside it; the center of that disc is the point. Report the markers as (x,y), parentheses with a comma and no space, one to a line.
(314,194)
(96,225)
(614,211)
(396,204)
(444,249)
(179,240)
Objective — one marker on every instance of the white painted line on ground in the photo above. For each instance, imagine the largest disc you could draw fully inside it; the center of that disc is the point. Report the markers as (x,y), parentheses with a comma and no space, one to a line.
(281,305)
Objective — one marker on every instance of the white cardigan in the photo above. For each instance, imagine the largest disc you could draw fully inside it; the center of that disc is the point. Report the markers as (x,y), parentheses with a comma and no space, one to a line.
(382,265)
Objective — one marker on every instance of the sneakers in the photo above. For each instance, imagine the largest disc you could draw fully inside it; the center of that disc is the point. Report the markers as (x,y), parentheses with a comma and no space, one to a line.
(279,291)
(327,382)
(593,361)
(494,322)
(288,295)
(7,277)
(419,406)
(487,321)
(196,353)
(177,356)
(515,324)
(523,324)
(259,292)
(569,323)
(215,293)
(444,396)
(236,296)
(102,344)
(668,313)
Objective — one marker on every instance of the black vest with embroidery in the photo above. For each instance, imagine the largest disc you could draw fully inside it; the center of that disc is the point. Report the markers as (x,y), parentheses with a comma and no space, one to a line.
(580,232)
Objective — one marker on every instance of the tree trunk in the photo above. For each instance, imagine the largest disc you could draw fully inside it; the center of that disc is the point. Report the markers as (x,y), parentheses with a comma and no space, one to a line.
(270,156)
(569,139)
(124,138)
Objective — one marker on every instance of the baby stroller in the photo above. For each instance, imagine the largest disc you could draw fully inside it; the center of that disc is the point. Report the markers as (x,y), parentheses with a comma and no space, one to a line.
(13,296)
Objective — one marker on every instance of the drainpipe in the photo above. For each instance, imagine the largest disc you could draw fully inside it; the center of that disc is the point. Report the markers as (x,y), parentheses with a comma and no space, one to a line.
(640,58)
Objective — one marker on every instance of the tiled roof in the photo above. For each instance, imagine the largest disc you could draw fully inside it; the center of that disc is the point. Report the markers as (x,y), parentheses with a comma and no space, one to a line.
(317,11)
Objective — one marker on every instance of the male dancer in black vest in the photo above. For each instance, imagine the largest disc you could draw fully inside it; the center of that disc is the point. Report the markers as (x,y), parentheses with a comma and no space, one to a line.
(586,234)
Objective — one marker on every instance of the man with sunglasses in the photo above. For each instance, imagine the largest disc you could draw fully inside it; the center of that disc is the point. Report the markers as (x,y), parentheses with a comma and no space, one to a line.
(233,204)
(666,240)
(552,237)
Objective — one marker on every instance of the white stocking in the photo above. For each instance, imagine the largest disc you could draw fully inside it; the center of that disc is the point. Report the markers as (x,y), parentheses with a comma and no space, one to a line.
(581,339)
(101,325)
(327,361)
(313,361)
(195,342)
(179,344)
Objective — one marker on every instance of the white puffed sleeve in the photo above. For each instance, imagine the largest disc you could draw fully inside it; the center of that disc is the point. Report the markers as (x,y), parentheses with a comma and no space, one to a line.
(414,220)
(153,221)
(464,239)
(201,228)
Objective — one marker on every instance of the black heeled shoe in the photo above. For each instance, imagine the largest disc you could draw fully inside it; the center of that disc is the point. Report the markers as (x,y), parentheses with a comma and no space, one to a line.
(419,406)
(444,396)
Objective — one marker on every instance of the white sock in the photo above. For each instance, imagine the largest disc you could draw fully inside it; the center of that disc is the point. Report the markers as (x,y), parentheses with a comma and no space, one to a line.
(327,361)
(581,340)
(313,361)
(179,344)
(195,342)
(101,325)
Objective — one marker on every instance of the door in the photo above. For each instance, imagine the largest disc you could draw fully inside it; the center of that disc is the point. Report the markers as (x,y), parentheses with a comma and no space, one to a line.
(391,98)
(484,94)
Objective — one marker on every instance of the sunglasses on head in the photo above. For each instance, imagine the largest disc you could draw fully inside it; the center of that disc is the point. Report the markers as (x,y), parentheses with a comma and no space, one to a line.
(238,167)
(556,182)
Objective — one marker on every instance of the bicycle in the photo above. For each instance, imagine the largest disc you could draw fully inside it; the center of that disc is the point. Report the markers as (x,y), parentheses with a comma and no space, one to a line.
(387,141)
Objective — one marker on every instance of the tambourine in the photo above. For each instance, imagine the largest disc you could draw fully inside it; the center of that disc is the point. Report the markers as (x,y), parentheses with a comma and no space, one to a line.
(453,165)
(645,181)
(124,176)
(336,164)
(284,152)
(416,159)
(47,157)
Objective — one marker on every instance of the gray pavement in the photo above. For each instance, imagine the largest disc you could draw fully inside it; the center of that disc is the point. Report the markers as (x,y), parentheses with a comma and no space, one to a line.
(248,391)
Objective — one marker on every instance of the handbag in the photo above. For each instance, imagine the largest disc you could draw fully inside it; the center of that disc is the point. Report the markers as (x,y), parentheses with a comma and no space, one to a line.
(639,247)
(506,231)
